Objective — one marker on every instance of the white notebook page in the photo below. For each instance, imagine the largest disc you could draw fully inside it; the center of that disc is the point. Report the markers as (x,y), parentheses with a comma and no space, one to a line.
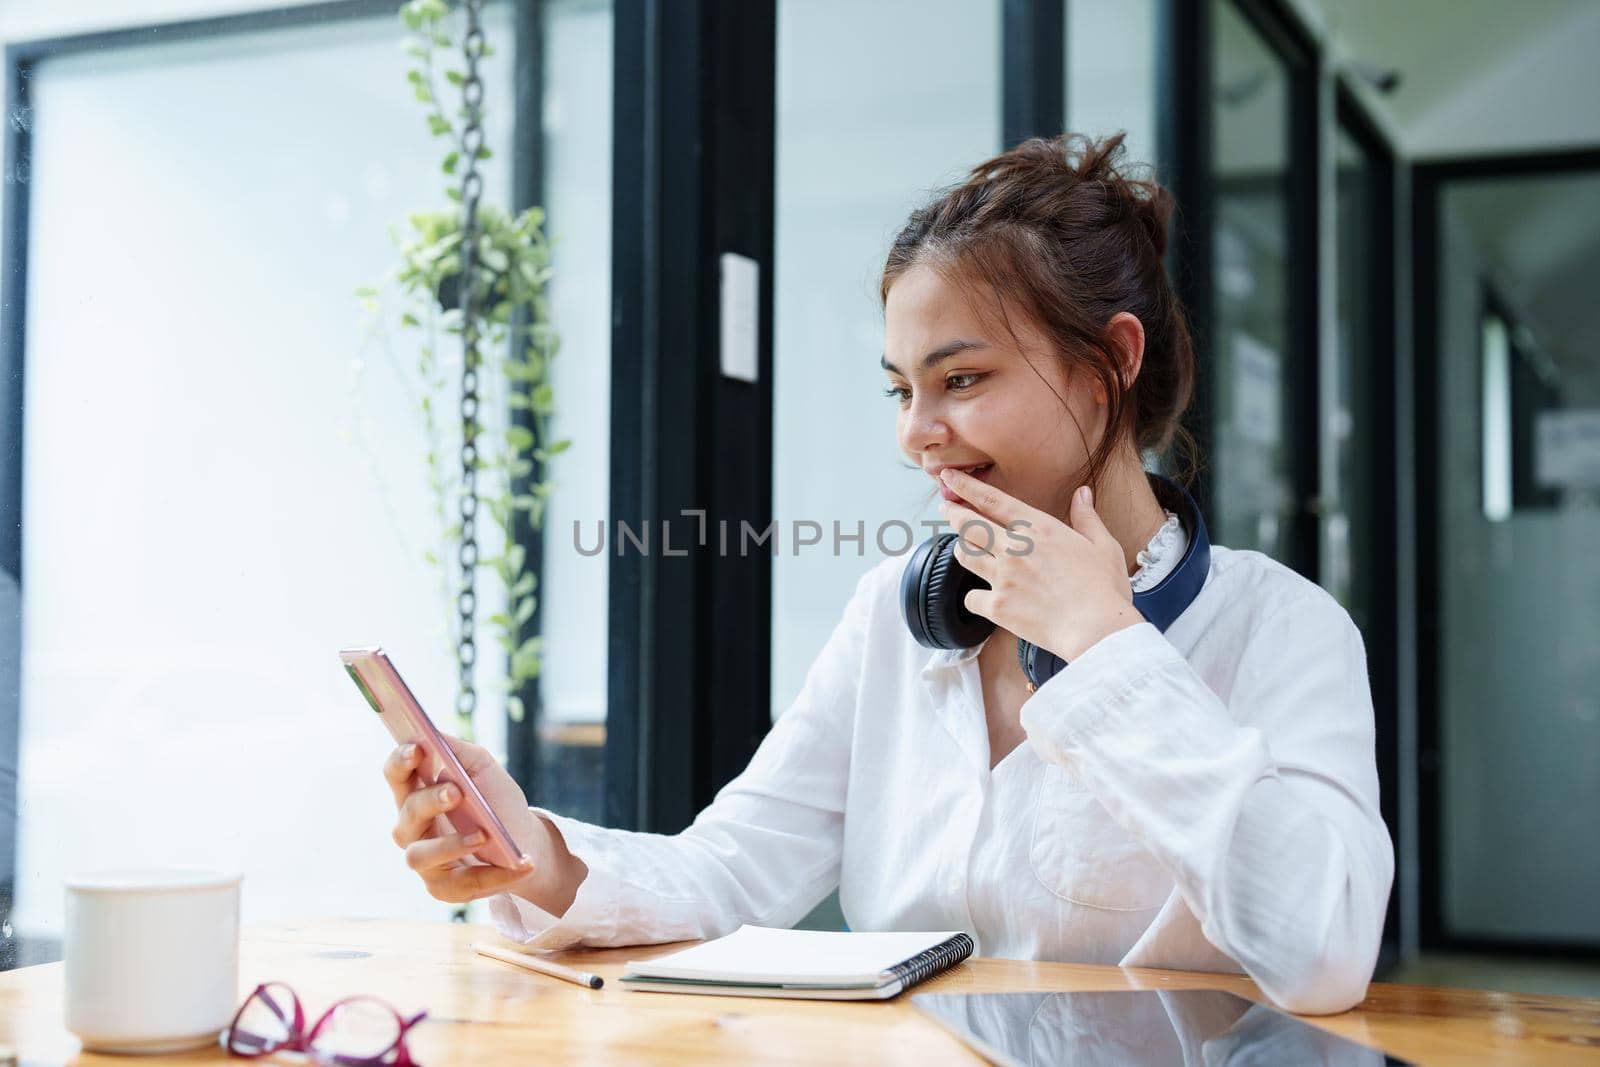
(762,954)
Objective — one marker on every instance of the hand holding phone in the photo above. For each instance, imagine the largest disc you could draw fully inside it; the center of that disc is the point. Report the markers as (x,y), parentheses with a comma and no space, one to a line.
(438,794)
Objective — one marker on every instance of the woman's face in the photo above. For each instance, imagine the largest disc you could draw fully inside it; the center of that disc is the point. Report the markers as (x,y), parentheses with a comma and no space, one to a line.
(971,396)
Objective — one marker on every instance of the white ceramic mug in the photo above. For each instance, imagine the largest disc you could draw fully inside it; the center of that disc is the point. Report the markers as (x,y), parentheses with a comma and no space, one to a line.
(152,958)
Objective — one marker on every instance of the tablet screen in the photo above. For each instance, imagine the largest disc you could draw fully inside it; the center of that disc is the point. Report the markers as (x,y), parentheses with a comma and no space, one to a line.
(1135,1028)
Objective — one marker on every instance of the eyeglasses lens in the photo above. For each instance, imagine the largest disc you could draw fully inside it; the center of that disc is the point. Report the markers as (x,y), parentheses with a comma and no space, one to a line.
(265,1022)
(360,1031)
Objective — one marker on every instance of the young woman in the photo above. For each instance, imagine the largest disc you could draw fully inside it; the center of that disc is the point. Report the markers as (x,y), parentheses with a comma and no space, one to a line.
(1202,794)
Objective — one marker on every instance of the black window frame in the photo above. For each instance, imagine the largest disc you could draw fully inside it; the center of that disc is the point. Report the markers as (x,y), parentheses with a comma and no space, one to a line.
(689,647)
(1188,166)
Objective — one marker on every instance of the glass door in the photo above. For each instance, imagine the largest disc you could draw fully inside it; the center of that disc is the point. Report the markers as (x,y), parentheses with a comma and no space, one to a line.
(1262,355)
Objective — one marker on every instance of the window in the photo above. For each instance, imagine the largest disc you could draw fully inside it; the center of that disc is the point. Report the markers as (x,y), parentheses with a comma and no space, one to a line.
(223,472)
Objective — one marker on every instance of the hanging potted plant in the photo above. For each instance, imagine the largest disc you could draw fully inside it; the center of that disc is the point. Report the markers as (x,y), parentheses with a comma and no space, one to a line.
(472,279)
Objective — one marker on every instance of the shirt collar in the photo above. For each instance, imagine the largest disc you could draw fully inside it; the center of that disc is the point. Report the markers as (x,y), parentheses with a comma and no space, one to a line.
(948,659)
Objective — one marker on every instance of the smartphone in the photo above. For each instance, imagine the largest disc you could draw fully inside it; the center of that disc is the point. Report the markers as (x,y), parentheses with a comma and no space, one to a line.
(374,674)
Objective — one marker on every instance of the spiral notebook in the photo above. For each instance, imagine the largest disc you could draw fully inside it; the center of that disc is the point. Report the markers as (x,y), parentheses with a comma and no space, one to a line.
(756,961)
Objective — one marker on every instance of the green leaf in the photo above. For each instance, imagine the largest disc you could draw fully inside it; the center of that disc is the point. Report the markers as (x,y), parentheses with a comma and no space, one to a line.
(544,397)
(514,708)
(519,437)
(408,319)
(449,164)
(555,448)
(525,660)
(455,77)
(500,619)
(438,124)
(524,585)
(525,610)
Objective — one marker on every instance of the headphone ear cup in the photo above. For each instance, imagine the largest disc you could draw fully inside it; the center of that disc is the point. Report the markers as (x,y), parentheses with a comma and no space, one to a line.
(944,596)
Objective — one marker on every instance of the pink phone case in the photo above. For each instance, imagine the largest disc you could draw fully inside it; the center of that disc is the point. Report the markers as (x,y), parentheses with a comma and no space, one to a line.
(380,683)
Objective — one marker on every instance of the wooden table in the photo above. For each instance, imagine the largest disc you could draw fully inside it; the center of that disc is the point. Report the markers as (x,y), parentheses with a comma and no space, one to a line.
(483,1012)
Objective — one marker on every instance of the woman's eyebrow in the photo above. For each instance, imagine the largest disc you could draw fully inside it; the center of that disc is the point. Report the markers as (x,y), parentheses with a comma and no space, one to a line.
(937,355)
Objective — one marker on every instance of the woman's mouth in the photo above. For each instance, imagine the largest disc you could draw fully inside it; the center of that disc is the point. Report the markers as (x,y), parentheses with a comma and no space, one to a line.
(980,472)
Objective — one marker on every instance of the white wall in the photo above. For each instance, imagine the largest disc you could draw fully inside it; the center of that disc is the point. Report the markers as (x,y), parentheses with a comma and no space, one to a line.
(865,135)
(1112,72)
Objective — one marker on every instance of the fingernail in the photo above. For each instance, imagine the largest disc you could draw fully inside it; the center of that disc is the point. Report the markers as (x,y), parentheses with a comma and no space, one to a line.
(524,862)
(475,838)
(944,475)
(447,795)
(408,751)
(1085,495)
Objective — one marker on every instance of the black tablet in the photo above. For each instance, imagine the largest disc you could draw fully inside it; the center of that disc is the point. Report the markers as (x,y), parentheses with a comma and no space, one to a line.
(1133,1028)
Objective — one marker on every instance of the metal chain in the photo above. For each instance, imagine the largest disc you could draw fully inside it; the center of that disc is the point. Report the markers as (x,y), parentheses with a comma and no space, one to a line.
(471,188)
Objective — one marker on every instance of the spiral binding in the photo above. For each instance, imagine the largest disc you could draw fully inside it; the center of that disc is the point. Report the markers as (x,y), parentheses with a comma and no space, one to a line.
(931,962)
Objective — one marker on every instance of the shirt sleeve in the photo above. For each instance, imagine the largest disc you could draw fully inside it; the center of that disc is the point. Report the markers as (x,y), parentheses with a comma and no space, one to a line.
(765,851)
(1265,810)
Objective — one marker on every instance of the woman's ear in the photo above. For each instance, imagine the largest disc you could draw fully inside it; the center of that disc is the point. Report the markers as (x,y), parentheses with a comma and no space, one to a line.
(1126,334)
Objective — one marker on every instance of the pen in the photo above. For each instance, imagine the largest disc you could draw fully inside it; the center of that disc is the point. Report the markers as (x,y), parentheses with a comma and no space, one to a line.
(543,966)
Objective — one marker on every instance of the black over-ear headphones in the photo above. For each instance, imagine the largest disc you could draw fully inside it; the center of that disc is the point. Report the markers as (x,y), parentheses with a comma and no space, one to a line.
(934,587)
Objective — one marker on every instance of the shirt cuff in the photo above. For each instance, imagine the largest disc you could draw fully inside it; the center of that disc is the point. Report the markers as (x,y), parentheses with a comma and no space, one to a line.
(590,919)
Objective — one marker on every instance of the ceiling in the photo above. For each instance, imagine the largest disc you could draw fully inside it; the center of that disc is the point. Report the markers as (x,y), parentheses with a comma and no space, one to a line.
(1476,76)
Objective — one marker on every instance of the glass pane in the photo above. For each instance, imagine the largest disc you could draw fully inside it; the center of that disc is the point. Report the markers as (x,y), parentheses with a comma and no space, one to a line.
(1349,530)
(1114,88)
(860,144)
(1518,396)
(225,474)
(1251,443)
(577,191)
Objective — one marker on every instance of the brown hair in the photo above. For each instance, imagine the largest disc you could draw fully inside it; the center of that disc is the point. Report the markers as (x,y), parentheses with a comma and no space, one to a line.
(1058,229)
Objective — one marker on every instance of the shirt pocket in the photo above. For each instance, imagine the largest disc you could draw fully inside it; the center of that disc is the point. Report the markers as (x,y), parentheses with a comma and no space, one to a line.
(1080,854)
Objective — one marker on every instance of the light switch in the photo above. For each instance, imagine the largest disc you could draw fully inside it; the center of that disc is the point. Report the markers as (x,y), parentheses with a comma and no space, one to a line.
(741,315)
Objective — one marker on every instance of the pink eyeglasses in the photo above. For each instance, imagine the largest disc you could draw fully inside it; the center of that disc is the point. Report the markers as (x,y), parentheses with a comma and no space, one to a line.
(358,1031)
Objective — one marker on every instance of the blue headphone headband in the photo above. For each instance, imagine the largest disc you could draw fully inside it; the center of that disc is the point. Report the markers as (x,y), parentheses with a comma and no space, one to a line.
(934,586)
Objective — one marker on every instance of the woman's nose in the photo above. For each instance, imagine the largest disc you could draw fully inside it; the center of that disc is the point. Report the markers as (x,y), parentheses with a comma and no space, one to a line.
(923,427)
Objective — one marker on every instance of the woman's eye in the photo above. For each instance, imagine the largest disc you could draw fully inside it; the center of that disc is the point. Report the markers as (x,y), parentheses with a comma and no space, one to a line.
(958,382)
(900,393)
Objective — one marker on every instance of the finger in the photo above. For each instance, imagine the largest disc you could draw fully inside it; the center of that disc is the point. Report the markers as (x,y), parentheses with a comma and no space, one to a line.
(977,533)
(430,853)
(399,769)
(981,602)
(474,758)
(1086,520)
(457,885)
(419,809)
(994,503)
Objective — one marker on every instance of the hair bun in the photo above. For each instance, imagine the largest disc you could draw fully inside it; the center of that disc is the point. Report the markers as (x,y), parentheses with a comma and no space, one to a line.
(1068,163)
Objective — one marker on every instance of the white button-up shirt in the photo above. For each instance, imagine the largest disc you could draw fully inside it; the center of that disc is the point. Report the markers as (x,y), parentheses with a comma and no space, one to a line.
(1204,799)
